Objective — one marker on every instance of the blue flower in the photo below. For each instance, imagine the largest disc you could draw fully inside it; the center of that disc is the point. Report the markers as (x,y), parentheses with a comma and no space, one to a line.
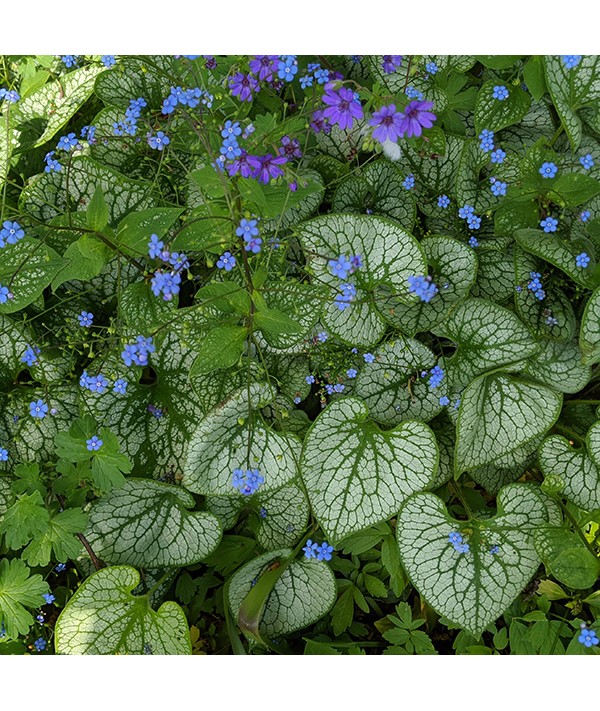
(247,228)
(247,482)
(340,267)
(120,386)
(226,261)
(159,141)
(322,76)
(351,373)
(548,170)
(409,182)
(9,95)
(68,142)
(500,93)
(166,284)
(89,133)
(494,550)
(585,215)
(498,156)
(94,443)
(348,293)
(155,246)
(444,400)
(94,383)
(11,232)
(38,409)
(413,93)
(324,551)
(179,262)
(310,379)
(137,353)
(369,358)
(30,355)
(52,165)
(431,68)
(465,211)
(40,644)
(3,454)
(455,537)
(587,637)
(108,60)
(309,549)
(5,294)
(306,81)
(322,336)
(423,287)
(497,187)
(587,161)
(69,60)
(549,224)
(582,260)
(86,319)
(436,377)
(231,129)
(487,140)
(474,222)
(287,67)
(571,60)
(60,568)
(535,285)
(443,201)
(49,598)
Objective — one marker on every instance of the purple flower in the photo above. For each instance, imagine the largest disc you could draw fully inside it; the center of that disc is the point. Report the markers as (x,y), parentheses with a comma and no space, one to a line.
(319,122)
(263,65)
(391,62)
(388,122)
(243,85)
(290,148)
(417,117)
(343,107)
(246,165)
(269,168)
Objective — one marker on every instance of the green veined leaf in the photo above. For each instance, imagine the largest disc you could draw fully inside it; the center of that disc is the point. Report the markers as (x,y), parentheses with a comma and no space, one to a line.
(589,335)
(471,589)
(559,365)
(18,590)
(58,540)
(285,519)
(495,114)
(566,557)
(147,524)
(303,594)
(135,229)
(103,617)
(499,414)
(221,348)
(234,436)
(389,256)
(357,475)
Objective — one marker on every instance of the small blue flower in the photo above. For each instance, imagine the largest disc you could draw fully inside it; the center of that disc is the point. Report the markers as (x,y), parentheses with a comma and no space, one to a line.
(5,294)
(3,454)
(431,68)
(444,400)
(120,386)
(423,287)
(351,373)
(322,336)
(30,355)
(548,170)
(310,379)
(369,358)
(11,232)
(497,187)
(588,637)
(455,537)
(344,299)
(443,201)
(585,215)
(52,165)
(166,284)
(61,567)
(500,93)
(49,598)
(108,60)
(324,551)
(306,81)
(571,60)
(68,142)
(40,644)
(587,161)
(413,93)
(340,267)
(309,549)
(159,141)
(89,133)
(226,261)
(409,182)
(86,319)
(94,444)
(474,222)
(287,67)
(437,375)
(465,211)
(38,409)
(231,128)
(473,242)
(494,550)
(179,262)
(9,95)
(69,60)
(262,512)
(582,260)
(498,156)
(487,140)
(155,246)
(549,224)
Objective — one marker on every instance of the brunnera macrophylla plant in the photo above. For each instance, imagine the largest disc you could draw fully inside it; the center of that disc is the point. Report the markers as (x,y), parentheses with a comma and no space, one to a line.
(299,354)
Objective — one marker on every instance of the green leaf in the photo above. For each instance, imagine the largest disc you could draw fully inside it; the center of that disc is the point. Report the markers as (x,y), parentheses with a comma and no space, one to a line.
(221,348)
(455,266)
(303,594)
(499,414)
(18,590)
(147,524)
(571,89)
(389,255)
(97,211)
(575,189)
(7,496)
(495,271)
(141,310)
(135,229)
(227,296)
(27,267)
(589,335)
(58,539)
(533,74)
(578,471)
(567,558)
(86,257)
(276,322)
(494,114)
(557,251)
(103,617)
(234,436)
(487,336)
(286,518)
(559,365)
(471,589)
(285,208)
(391,386)
(27,518)
(355,474)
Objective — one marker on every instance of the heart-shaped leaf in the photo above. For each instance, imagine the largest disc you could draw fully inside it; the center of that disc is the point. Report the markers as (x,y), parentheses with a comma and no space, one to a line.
(499,414)
(471,589)
(103,617)
(357,475)
(146,524)
(495,114)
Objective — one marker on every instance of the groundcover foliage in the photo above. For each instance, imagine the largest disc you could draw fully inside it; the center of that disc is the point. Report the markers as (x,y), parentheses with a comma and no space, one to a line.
(299,354)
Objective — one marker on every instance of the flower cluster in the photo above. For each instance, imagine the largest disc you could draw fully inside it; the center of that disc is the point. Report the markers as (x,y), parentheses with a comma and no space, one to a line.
(137,353)
(30,355)
(457,542)
(436,376)
(535,285)
(9,95)
(166,283)
(249,232)
(467,212)
(423,287)
(247,482)
(186,97)
(320,552)
(94,383)
(128,126)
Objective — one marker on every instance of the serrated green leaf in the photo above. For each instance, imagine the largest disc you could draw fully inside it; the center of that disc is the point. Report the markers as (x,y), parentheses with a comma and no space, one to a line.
(471,589)
(389,256)
(355,474)
(18,590)
(302,595)
(147,524)
(57,540)
(499,414)
(103,617)
(27,518)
